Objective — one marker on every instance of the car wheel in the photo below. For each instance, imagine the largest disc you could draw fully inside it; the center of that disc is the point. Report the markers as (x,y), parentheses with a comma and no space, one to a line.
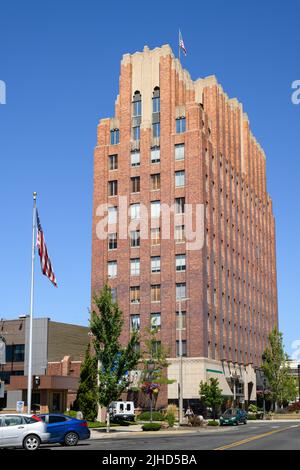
(31,442)
(245,422)
(71,439)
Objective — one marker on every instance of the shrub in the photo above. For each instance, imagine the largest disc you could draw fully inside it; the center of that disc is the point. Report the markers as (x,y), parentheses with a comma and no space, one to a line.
(151,427)
(294,407)
(252,416)
(252,408)
(170,418)
(156,416)
(212,423)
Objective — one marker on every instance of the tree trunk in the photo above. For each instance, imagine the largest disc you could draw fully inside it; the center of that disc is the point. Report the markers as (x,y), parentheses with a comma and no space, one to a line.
(107,422)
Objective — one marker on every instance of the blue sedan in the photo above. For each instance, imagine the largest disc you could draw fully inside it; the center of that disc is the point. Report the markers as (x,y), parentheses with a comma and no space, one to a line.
(65,430)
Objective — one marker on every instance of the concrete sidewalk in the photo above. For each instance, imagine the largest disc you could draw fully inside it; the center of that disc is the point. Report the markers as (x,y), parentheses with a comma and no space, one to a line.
(136,430)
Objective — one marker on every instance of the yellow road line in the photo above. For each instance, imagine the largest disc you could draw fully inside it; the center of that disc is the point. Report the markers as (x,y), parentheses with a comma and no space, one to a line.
(253,438)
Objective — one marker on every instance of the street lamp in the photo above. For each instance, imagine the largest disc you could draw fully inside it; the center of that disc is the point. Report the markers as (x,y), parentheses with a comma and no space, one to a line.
(180,389)
(234,377)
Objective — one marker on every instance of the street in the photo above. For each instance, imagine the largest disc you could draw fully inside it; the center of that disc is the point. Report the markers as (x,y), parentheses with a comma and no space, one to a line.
(253,436)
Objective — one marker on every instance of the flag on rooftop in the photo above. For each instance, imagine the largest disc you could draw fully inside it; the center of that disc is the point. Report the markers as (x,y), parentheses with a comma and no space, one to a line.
(181,43)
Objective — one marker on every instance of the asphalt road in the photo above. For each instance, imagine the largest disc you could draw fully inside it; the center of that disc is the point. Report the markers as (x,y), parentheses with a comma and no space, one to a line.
(253,436)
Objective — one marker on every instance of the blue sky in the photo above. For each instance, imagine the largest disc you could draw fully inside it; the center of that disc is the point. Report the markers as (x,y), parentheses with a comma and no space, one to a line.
(60,62)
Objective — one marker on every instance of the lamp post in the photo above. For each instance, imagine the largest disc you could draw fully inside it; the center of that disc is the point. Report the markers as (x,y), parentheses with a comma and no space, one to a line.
(180,389)
(299,381)
(234,377)
(264,399)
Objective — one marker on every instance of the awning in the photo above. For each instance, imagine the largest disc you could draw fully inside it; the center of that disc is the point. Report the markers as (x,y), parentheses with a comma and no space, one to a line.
(223,384)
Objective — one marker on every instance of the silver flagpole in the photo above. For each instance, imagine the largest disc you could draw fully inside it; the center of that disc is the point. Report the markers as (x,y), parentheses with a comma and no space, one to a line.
(179,45)
(29,384)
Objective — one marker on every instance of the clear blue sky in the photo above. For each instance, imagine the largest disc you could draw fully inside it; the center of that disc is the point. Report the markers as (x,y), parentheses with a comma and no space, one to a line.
(60,61)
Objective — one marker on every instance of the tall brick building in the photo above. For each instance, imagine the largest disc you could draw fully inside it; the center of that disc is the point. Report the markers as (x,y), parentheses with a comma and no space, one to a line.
(177,142)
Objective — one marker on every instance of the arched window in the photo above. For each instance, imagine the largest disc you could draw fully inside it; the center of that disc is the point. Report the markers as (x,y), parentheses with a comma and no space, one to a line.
(137,104)
(156,100)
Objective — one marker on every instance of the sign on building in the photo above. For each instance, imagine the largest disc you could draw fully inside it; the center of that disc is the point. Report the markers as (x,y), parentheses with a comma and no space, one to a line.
(2,350)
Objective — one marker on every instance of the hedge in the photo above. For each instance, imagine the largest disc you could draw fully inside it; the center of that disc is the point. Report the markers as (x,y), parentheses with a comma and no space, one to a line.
(156,416)
(151,427)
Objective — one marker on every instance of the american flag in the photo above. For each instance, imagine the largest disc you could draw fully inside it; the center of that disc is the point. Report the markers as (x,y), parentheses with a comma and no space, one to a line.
(43,253)
(181,43)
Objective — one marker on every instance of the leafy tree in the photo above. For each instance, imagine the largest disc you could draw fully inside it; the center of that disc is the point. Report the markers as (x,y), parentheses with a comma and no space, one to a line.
(211,394)
(116,361)
(277,371)
(154,363)
(87,394)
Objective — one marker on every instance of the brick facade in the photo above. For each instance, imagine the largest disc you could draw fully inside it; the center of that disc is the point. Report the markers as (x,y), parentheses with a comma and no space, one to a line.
(231,281)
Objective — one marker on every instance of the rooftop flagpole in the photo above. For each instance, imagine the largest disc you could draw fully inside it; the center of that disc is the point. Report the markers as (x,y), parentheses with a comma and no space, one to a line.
(29,383)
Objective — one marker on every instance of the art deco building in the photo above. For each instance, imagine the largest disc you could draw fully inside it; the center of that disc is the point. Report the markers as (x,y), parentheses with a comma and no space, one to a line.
(178,143)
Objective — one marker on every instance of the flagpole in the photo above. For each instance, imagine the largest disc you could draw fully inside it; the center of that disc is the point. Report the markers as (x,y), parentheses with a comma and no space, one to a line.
(29,383)
(179,45)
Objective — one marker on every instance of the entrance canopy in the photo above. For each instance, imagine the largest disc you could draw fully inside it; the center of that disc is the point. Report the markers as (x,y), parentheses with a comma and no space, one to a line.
(223,384)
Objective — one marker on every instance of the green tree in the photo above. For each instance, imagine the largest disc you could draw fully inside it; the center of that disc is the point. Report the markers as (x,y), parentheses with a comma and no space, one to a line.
(116,361)
(211,395)
(276,369)
(87,394)
(154,364)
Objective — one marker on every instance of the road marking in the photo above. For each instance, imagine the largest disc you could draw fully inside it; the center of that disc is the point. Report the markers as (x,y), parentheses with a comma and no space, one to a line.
(254,438)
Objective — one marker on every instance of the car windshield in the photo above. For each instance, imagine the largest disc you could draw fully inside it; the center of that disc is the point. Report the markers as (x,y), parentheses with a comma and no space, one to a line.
(230,412)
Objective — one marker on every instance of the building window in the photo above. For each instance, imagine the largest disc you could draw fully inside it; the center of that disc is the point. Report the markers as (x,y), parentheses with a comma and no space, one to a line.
(155,209)
(184,348)
(181,325)
(114,137)
(155,236)
(155,264)
(179,178)
(137,348)
(113,188)
(15,353)
(180,291)
(112,241)
(137,105)
(179,152)
(155,321)
(179,205)
(155,182)
(180,125)
(112,269)
(113,291)
(135,267)
(113,162)
(135,295)
(136,133)
(135,238)
(155,154)
(135,211)
(156,129)
(180,263)
(135,323)
(135,159)
(135,184)
(155,347)
(179,234)
(156,100)
(155,293)
(112,215)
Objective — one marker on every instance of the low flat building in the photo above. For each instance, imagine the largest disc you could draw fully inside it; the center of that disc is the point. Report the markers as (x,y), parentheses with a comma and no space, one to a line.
(57,352)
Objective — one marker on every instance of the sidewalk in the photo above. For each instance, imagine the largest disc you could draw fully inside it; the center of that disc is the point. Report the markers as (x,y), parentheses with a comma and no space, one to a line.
(136,429)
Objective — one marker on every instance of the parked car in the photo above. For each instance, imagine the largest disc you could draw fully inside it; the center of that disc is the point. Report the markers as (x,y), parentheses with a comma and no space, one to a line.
(122,410)
(65,430)
(233,416)
(22,430)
